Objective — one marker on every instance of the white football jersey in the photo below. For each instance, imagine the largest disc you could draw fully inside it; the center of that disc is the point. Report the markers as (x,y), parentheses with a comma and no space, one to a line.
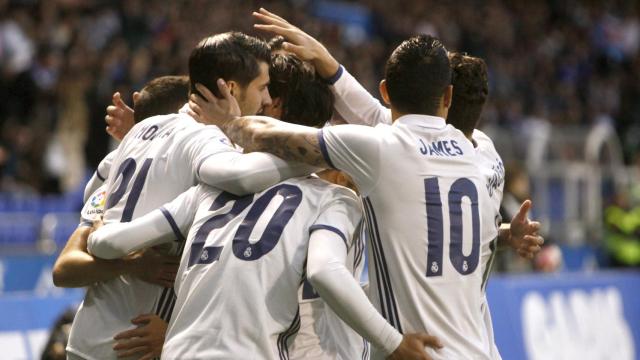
(100,175)
(243,264)
(431,220)
(156,161)
(322,334)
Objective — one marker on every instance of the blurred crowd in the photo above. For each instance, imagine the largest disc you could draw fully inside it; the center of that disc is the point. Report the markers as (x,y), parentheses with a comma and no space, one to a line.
(568,62)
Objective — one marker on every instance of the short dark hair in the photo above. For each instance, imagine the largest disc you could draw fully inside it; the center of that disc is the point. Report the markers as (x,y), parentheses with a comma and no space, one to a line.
(275,43)
(417,74)
(163,95)
(306,98)
(470,90)
(230,56)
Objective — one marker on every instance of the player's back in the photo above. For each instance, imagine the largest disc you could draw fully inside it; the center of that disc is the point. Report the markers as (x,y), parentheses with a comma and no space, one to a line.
(243,264)
(431,223)
(153,164)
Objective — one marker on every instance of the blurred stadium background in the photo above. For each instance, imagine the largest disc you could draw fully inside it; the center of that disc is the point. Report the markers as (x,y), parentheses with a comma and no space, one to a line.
(563,111)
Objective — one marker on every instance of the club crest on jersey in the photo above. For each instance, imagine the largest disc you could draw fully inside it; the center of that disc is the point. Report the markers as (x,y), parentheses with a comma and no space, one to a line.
(497,177)
(98,200)
(205,255)
(247,252)
(434,267)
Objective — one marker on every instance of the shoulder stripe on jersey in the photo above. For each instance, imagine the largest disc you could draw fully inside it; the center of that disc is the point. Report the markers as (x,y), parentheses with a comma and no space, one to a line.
(283,338)
(489,264)
(365,349)
(380,259)
(168,307)
(172,223)
(315,227)
(323,148)
(102,178)
(161,302)
(359,245)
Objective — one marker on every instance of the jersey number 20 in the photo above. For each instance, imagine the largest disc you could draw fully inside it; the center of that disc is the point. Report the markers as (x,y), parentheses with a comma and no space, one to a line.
(463,264)
(242,248)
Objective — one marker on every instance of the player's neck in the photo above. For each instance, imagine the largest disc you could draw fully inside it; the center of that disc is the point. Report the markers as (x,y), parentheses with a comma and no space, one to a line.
(395,114)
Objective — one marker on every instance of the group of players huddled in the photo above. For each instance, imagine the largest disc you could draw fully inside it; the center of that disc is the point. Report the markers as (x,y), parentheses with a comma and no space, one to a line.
(213,233)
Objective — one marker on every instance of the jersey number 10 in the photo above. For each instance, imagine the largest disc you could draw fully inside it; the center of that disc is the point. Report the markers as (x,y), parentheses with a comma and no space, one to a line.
(463,264)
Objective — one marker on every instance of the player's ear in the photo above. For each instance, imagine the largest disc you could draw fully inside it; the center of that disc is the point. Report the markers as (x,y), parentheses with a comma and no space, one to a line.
(136,97)
(276,103)
(233,87)
(383,91)
(448,96)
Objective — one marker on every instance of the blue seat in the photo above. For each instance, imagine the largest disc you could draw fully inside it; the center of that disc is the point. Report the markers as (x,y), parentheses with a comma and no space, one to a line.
(19,228)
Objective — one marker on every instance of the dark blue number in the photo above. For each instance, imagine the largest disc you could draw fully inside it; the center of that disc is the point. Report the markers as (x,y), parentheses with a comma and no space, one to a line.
(463,264)
(435,226)
(127,169)
(206,255)
(242,248)
(136,189)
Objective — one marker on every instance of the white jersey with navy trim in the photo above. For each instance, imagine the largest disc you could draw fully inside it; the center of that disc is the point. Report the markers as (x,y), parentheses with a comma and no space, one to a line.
(431,223)
(322,334)
(100,175)
(156,161)
(243,264)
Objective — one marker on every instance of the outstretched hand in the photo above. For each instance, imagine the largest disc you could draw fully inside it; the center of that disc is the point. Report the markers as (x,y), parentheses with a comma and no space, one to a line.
(298,42)
(211,110)
(119,116)
(412,347)
(524,233)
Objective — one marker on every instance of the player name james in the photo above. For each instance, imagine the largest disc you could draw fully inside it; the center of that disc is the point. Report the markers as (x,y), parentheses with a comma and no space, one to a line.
(440,148)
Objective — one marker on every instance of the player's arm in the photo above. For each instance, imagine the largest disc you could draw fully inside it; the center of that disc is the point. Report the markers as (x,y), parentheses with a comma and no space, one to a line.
(242,174)
(116,240)
(351,148)
(218,164)
(522,233)
(352,101)
(75,267)
(327,272)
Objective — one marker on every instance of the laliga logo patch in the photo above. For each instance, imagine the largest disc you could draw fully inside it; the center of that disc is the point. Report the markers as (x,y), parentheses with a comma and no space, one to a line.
(98,200)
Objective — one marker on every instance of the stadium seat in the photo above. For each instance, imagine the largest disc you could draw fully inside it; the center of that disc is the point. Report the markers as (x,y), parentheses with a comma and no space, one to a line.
(19,228)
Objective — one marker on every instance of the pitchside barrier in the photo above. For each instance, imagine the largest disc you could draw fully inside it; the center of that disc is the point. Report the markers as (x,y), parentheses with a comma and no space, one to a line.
(569,315)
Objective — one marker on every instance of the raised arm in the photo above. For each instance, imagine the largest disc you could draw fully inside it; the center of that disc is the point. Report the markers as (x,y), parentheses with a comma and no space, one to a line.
(352,101)
(351,148)
(242,174)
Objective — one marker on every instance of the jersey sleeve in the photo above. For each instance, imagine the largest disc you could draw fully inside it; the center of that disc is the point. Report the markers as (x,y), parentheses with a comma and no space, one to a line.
(354,103)
(181,211)
(100,175)
(354,149)
(170,222)
(206,142)
(340,214)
